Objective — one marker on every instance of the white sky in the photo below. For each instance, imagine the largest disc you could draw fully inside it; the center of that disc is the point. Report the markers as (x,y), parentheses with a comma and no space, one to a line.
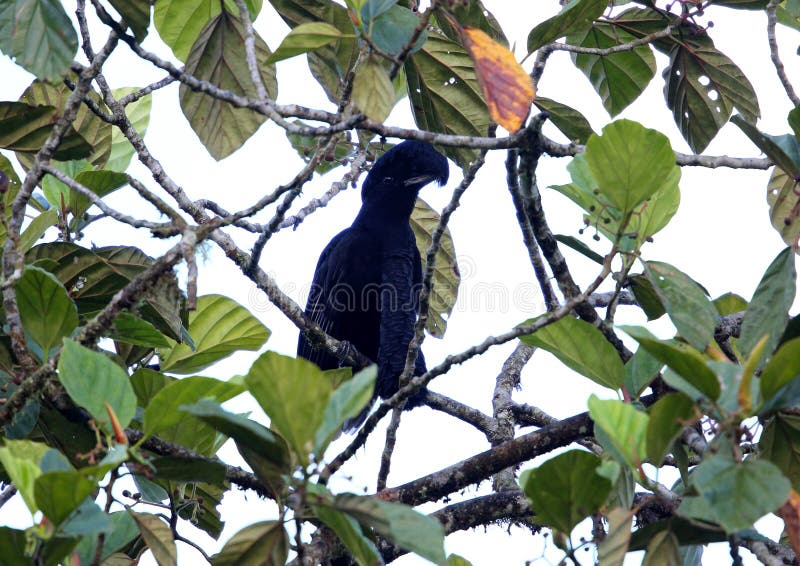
(721,236)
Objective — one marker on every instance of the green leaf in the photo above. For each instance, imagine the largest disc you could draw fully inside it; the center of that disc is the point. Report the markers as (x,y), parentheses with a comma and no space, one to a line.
(783,150)
(245,432)
(59,493)
(575,16)
(473,14)
(566,489)
(572,123)
(373,92)
(701,106)
(783,206)
(21,461)
(13,543)
(624,426)
(683,359)
(781,369)
(663,550)
(350,534)
(788,13)
(88,519)
(179,22)
(48,314)
(135,13)
(36,229)
(581,347)
(446,277)
(647,297)
(689,309)
(729,303)
(175,468)
(391,31)
(407,528)
(158,538)
(218,56)
(620,78)
(91,128)
(162,410)
(123,531)
(668,417)
(743,4)
(767,313)
(445,95)
(305,37)
(133,330)
(56,192)
(92,380)
(294,394)
(346,402)
(25,127)
(371,9)
(138,113)
(629,162)
(640,371)
(38,35)
(580,247)
(611,551)
(146,383)
(735,495)
(780,444)
(219,327)
(101,183)
(261,543)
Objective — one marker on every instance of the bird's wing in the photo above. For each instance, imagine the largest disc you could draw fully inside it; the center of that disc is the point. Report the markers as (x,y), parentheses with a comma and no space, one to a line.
(398,315)
(319,308)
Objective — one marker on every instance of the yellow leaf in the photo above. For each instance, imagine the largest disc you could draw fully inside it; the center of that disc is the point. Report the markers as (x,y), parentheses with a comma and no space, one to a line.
(507,88)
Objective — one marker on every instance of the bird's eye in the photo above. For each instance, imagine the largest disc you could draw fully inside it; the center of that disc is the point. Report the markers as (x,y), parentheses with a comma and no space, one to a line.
(388,180)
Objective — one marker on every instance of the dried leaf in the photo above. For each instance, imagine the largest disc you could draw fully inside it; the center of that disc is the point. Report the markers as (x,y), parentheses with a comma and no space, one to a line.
(790,513)
(506,87)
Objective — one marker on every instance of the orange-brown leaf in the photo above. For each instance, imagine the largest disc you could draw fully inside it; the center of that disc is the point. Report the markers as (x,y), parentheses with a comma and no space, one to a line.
(507,88)
(790,513)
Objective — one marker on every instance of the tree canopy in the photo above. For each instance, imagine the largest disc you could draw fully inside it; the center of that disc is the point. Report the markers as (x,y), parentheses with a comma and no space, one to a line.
(119,444)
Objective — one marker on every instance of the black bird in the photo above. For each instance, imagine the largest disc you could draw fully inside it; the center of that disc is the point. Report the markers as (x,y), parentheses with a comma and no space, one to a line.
(368,278)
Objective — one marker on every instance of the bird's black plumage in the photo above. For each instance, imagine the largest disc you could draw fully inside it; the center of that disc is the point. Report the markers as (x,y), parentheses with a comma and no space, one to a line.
(367,282)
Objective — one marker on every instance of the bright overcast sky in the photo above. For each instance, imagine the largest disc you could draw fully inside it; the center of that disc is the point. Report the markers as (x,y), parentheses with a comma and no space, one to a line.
(721,236)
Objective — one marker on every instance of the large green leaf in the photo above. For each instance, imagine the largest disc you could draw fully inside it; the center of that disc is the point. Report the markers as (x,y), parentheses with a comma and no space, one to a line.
(21,460)
(572,123)
(767,313)
(345,403)
(162,410)
(347,529)
(620,78)
(629,162)
(158,537)
(784,203)
(135,13)
(445,95)
(86,123)
(138,113)
(784,150)
(392,29)
(59,493)
(305,37)
(25,127)
(624,426)
(575,16)
(48,314)
(583,348)
(669,416)
(264,543)
(293,393)
(446,277)
(38,35)
(781,369)
(219,327)
(93,381)
(780,444)
(36,228)
(683,359)
(691,312)
(566,489)
(218,56)
(407,528)
(735,494)
(373,93)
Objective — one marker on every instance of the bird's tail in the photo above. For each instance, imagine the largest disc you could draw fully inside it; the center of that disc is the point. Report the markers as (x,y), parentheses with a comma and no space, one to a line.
(352,425)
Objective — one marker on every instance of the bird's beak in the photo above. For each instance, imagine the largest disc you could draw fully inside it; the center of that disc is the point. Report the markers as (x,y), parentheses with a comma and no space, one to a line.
(420,180)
